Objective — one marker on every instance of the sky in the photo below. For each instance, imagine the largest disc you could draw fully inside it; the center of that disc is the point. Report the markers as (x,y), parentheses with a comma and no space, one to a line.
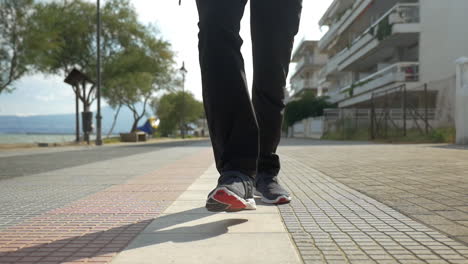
(44,95)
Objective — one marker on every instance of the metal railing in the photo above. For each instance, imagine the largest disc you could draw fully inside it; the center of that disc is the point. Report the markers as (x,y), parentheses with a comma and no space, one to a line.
(309,60)
(402,71)
(405,14)
(299,85)
(399,14)
(335,27)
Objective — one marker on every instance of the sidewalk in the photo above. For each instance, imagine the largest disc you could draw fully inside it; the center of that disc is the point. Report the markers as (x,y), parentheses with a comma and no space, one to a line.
(187,233)
(148,208)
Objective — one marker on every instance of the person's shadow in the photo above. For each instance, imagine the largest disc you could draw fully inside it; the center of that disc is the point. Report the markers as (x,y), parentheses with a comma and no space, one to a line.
(157,226)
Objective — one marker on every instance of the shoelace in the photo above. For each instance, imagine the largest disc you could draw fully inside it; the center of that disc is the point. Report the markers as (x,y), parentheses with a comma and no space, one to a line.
(248,184)
(269,179)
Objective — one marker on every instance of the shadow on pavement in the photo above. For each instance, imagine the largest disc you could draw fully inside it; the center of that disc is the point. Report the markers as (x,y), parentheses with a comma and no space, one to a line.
(188,233)
(456,147)
(116,239)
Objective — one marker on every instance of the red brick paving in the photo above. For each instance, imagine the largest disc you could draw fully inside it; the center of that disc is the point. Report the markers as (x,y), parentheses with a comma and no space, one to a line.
(95,228)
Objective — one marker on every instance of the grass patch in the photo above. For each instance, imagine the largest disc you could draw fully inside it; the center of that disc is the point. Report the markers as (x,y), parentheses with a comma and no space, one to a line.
(111,140)
(439,135)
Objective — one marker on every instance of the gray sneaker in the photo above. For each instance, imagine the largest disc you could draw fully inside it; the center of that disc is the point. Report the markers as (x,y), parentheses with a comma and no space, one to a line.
(270,190)
(233,193)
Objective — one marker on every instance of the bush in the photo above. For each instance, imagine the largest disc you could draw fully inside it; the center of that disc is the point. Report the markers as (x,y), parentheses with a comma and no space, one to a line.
(307,106)
(443,135)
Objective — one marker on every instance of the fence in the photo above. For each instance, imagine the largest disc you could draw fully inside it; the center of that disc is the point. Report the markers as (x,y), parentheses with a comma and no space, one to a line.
(307,128)
(395,112)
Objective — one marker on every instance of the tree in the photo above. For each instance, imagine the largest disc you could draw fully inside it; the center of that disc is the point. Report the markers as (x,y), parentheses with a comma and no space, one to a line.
(64,36)
(168,109)
(14,42)
(138,73)
(307,106)
(135,62)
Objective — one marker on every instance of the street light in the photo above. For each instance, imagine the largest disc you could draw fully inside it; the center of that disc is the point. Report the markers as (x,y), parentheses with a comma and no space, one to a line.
(183,72)
(98,73)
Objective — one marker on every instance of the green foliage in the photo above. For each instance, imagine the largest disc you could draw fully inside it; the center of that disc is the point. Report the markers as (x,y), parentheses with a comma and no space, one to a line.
(350,90)
(64,34)
(137,74)
(307,106)
(443,135)
(384,29)
(111,140)
(175,110)
(136,63)
(347,131)
(14,41)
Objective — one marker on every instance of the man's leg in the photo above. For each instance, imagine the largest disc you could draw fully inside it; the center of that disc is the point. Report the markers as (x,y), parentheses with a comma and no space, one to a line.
(274,24)
(231,119)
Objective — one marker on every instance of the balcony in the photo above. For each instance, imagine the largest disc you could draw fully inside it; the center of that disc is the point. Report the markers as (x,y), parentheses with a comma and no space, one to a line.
(398,27)
(336,96)
(399,72)
(309,61)
(299,85)
(344,21)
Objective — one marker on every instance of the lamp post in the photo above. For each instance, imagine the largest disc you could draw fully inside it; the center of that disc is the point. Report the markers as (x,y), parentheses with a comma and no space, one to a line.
(98,74)
(183,72)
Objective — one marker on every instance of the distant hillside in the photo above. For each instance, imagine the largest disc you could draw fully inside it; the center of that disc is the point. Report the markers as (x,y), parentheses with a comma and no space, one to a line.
(64,124)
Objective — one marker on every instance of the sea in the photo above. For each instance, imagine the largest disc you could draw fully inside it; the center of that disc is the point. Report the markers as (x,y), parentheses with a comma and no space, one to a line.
(36,138)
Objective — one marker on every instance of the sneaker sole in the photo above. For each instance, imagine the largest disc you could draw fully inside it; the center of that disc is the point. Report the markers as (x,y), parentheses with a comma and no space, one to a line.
(279,200)
(283,199)
(223,199)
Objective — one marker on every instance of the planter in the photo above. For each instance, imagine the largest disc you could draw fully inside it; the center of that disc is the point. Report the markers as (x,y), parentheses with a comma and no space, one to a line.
(133,137)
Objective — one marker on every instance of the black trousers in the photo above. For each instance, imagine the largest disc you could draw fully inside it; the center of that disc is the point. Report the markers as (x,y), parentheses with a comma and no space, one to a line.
(245,133)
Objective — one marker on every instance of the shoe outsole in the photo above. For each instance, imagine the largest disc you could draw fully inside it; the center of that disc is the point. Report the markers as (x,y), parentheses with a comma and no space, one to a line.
(223,200)
(282,199)
(279,200)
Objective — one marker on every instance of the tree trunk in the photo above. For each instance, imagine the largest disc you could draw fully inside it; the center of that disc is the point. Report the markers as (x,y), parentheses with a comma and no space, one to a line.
(86,133)
(136,116)
(135,124)
(114,122)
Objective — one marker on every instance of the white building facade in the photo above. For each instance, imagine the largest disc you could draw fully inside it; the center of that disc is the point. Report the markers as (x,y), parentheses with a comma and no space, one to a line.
(374,45)
(305,76)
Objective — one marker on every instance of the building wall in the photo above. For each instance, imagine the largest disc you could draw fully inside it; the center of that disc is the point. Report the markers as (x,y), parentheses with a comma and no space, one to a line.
(444,37)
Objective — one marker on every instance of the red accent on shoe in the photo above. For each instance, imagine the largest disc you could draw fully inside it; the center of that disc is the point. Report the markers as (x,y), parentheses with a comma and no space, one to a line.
(283,201)
(223,197)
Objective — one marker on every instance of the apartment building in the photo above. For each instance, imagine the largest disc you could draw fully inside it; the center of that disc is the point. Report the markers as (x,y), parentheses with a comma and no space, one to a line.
(308,61)
(374,45)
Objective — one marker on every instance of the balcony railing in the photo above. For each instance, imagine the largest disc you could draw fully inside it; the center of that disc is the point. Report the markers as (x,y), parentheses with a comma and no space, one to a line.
(335,96)
(343,21)
(309,60)
(399,14)
(400,72)
(405,14)
(332,31)
(322,74)
(304,84)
